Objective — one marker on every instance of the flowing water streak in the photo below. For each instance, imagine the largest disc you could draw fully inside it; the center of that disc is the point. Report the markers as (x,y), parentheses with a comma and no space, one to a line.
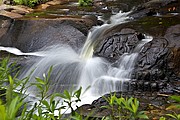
(66,68)
(95,68)
(16,51)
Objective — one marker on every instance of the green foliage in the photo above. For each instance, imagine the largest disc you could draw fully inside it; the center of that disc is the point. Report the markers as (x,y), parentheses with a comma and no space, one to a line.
(30,3)
(162,118)
(176,105)
(4,71)
(174,116)
(71,98)
(176,99)
(10,111)
(124,108)
(15,106)
(46,105)
(85,2)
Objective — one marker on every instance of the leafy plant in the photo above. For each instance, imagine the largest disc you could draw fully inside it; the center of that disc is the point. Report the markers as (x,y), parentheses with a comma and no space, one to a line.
(14,106)
(30,3)
(10,111)
(15,93)
(176,98)
(124,108)
(162,118)
(85,2)
(174,116)
(71,98)
(10,107)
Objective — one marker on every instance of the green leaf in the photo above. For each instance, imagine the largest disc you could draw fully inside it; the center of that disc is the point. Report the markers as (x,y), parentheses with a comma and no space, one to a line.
(173,116)
(162,118)
(175,97)
(78,92)
(40,81)
(142,115)
(67,94)
(13,108)
(2,112)
(54,95)
(9,91)
(44,102)
(62,96)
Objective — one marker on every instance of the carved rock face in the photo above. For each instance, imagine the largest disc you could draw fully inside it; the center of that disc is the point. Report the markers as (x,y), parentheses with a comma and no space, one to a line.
(160,58)
(151,61)
(157,65)
(119,43)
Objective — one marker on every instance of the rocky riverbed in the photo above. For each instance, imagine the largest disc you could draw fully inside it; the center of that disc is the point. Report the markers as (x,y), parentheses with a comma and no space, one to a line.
(157,71)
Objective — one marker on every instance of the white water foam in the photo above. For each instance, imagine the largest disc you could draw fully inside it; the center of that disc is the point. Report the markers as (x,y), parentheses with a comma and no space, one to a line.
(71,69)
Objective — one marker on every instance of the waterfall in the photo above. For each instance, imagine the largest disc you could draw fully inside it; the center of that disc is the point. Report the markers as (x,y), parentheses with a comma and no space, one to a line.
(97,31)
(72,69)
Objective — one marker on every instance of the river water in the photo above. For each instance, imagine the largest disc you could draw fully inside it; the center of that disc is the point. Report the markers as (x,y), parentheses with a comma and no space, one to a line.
(72,70)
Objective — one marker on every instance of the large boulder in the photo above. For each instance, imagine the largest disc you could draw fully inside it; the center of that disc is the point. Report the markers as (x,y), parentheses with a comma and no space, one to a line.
(159,58)
(155,7)
(119,43)
(31,35)
(158,61)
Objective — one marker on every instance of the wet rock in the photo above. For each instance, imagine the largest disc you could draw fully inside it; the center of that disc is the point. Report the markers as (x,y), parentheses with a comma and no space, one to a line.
(92,19)
(118,5)
(5,23)
(151,57)
(158,61)
(96,109)
(160,57)
(31,35)
(155,6)
(117,44)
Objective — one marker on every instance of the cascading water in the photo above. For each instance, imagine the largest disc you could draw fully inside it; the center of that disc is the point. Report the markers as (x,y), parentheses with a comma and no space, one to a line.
(18,52)
(71,69)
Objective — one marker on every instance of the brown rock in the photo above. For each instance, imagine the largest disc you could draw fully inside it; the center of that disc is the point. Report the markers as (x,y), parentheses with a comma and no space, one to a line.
(10,14)
(42,6)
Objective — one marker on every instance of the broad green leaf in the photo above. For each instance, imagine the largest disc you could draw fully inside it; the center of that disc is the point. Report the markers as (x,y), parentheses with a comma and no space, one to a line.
(44,102)
(67,94)
(78,92)
(173,116)
(14,107)
(40,81)
(2,112)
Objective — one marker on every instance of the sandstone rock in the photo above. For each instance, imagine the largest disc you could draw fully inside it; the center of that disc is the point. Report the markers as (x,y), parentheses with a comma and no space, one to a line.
(10,14)
(14,11)
(42,6)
